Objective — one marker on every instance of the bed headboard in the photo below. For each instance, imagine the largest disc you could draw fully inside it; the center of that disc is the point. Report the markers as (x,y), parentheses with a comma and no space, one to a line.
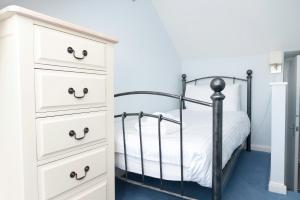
(247,80)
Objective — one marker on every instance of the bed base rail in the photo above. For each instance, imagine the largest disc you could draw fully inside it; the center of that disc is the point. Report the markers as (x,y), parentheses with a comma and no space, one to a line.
(217,85)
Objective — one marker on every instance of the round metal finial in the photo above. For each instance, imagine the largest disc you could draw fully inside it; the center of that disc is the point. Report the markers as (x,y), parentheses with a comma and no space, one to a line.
(183,76)
(249,72)
(217,84)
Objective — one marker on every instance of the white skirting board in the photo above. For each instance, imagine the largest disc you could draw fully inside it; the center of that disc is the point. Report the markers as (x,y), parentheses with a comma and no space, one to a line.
(277,187)
(262,148)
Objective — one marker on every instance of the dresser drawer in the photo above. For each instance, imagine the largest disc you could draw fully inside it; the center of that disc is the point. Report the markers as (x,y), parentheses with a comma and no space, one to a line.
(59,48)
(57,90)
(63,175)
(97,192)
(61,133)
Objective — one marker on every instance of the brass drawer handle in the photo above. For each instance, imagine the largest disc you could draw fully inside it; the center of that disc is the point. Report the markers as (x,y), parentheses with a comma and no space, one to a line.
(74,174)
(72,91)
(72,51)
(72,133)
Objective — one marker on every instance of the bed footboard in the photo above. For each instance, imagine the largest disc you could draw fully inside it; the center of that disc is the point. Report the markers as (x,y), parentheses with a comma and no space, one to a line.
(217,85)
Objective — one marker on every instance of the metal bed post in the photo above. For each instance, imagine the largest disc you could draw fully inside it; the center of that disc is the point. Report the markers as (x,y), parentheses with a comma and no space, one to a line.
(217,84)
(181,147)
(124,115)
(183,81)
(249,95)
(160,118)
(141,114)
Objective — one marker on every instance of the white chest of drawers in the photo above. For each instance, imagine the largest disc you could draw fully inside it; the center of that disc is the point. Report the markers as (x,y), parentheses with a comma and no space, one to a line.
(56,109)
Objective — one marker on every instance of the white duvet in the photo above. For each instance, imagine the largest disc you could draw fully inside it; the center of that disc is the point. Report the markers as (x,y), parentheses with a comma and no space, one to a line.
(197,146)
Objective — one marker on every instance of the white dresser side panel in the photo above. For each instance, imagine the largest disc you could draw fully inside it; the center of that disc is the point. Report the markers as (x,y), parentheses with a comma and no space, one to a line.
(27,105)
(11,182)
(110,124)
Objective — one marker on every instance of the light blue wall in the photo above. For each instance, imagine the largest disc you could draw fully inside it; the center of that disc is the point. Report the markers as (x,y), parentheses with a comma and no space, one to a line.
(237,67)
(145,58)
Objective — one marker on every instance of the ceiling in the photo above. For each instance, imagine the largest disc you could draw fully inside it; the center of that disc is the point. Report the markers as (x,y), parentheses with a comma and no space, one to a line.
(222,28)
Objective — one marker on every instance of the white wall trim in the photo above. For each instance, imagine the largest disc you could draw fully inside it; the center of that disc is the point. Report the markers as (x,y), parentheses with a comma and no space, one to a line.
(277,187)
(278,128)
(262,148)
(278,83)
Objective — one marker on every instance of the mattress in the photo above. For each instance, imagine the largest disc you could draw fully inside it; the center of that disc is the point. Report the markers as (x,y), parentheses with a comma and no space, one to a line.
(197,146)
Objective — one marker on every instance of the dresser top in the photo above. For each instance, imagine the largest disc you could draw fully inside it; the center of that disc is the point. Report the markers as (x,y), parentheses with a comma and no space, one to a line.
(11,10)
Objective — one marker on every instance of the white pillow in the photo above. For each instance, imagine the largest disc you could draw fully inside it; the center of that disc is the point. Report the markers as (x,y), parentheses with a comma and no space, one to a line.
(232,101)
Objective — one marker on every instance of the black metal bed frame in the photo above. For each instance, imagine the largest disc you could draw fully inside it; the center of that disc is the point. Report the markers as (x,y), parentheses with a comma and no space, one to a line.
(220,176)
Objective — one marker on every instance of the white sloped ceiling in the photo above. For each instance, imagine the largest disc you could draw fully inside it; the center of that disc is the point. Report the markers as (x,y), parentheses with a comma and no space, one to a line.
(214,28)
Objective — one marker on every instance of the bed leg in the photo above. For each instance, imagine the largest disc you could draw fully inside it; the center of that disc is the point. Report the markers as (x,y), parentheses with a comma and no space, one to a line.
(249,97)
(217,86)
(248,147)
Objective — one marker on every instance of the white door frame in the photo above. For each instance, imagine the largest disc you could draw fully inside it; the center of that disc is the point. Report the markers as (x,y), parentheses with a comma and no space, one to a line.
(296,154)
(297,126)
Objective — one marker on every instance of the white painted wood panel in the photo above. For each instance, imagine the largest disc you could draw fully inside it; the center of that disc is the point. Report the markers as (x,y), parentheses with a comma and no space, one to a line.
(56,134)
(10,144)
(55,178)
(277,176)
(98,192)
(51,47)
(52,90)
(110,123)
